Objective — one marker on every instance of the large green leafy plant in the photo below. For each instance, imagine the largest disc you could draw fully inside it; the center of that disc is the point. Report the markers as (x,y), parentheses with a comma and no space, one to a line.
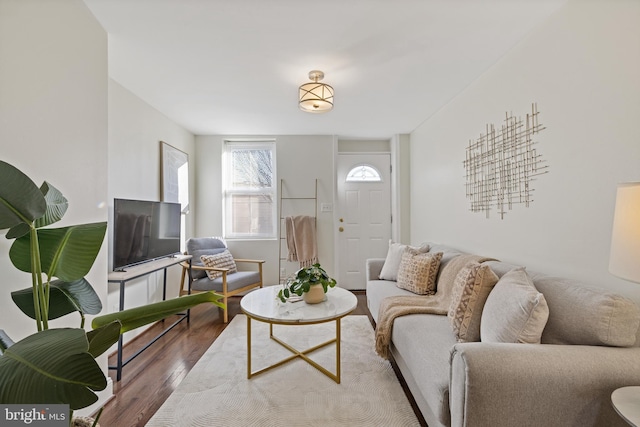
(57,365)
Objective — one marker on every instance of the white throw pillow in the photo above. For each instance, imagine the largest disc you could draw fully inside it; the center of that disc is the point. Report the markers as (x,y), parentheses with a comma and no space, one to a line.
(394,256)
(515,312)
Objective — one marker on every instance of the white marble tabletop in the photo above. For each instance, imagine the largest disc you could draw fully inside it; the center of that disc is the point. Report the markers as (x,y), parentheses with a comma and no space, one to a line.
(263,304)
(626,401)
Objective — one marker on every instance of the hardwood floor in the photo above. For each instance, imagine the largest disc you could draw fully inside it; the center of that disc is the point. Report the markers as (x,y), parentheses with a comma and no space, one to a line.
(148,380)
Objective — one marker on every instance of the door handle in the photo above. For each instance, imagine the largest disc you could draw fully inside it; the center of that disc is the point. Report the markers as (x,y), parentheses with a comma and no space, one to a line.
(341,229)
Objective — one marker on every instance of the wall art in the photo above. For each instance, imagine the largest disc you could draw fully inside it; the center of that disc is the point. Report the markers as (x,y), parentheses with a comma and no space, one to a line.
(175,176)
(501,164)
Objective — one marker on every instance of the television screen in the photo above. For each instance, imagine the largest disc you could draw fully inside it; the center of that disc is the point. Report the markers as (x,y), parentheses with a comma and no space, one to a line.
(144,231)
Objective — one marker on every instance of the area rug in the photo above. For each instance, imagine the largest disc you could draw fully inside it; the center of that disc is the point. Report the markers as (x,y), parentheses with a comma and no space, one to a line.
(217,392)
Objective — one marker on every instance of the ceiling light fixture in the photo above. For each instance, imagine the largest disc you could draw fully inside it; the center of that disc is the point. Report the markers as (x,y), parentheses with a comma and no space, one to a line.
(315,97)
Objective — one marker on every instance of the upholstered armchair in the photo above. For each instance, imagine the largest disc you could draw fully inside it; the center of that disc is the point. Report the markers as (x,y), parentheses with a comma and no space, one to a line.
(213,268)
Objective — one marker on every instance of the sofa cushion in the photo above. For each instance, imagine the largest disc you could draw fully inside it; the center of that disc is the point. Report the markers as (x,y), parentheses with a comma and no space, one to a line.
(378,290)
(470,291)
(417,272)
(583,315)
(515,312)
(221,260)
(394,256)
(198,246)
(234,281)
(424,342)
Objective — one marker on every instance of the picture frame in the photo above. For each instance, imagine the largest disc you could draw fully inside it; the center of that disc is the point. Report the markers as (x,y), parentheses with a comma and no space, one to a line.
(174,182)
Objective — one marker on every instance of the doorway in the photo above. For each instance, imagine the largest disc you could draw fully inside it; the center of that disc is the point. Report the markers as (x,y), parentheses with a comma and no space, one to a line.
(363,214)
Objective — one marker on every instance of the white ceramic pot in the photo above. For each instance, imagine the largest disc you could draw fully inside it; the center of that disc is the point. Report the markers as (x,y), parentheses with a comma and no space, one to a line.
(315,294)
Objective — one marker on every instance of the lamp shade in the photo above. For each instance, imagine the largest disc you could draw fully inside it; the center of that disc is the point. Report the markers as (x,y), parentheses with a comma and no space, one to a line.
(315,97)
(624,260)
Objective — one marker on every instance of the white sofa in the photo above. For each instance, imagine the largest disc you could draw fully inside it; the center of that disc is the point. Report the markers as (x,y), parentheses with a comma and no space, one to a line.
(567,380)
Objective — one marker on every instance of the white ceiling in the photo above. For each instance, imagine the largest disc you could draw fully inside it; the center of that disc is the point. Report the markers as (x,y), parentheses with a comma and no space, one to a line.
(233,67)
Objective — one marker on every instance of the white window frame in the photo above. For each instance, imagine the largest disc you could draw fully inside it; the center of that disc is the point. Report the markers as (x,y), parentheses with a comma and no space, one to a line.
(377,177)
(228,191)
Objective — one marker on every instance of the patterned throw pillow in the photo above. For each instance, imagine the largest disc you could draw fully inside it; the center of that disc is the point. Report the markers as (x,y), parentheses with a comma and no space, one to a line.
(470,291)
(394,256)
(417,272)
(221,260)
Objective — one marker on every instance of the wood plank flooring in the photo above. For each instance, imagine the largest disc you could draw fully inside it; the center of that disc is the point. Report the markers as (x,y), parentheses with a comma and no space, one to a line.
(149,379)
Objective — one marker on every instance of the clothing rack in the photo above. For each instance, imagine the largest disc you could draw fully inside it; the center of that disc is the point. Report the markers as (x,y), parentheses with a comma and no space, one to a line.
(285,268)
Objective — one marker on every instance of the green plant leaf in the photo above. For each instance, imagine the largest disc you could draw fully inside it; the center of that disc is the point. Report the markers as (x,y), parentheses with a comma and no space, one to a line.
(67,253)
(18,231)
(20,199)
(101,339)
(51,366)
(139,316)
(64,298)
(57,205)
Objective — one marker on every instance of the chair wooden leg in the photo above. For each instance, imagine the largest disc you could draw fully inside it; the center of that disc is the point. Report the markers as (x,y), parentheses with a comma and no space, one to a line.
(225,292)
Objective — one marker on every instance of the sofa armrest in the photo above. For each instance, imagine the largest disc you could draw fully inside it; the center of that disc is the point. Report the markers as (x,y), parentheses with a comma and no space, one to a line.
(374,267)
(533,385)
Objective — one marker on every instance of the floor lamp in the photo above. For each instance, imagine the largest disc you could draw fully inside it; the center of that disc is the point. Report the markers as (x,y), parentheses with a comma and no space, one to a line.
(624,262)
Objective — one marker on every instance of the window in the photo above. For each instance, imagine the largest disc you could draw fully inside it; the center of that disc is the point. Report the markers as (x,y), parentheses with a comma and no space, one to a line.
(249,190)
(363,173)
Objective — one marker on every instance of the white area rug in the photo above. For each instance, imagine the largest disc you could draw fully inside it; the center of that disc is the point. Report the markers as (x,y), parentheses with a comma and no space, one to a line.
(217,392)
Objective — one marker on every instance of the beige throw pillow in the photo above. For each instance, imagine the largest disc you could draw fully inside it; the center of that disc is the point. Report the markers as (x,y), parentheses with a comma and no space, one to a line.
(394,256)
(515,312)
(221,260)
(417,272)
(470,290)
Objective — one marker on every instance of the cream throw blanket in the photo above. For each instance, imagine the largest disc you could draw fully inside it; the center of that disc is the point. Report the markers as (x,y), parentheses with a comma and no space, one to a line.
(301,239)
(400,305)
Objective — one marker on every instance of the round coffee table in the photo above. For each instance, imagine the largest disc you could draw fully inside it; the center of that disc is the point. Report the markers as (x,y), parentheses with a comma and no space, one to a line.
(264,306)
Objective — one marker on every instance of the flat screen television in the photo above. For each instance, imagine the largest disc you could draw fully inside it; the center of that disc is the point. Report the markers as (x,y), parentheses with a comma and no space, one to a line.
(144,231)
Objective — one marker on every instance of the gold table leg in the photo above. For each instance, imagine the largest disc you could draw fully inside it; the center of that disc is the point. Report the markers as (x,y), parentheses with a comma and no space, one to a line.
(296,353)
(248,347)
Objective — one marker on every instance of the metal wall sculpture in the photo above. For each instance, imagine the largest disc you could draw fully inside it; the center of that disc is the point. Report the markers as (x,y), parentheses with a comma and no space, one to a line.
(501,164)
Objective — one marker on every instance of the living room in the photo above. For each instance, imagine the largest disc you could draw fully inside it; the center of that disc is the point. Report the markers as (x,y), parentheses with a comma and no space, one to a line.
(66,120)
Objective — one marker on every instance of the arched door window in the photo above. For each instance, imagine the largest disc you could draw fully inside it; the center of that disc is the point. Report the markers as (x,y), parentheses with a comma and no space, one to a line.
(364,173)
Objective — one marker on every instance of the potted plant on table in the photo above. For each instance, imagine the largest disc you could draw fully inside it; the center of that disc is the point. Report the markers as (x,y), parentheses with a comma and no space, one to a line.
(309,282)
(57,365)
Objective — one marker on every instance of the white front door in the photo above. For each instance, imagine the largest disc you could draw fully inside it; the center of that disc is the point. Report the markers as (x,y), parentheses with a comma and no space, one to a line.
(363,213)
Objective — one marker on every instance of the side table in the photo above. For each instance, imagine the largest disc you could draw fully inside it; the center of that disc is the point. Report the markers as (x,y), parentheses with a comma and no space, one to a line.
(134,272)
(626,401)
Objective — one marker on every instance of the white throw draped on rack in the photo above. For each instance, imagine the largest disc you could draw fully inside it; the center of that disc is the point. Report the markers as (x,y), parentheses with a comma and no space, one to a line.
(301,239)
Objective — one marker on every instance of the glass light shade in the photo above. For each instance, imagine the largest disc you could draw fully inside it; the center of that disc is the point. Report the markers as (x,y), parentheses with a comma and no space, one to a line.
(624,260)
(316,97)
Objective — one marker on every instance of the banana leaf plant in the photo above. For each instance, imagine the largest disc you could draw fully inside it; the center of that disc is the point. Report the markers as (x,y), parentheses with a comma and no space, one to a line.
(57,365)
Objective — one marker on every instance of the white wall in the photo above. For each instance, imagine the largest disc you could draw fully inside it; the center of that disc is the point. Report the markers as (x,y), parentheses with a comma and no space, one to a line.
(135,132)
(53,121)
(300,160)
(582,67)
(53,124)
